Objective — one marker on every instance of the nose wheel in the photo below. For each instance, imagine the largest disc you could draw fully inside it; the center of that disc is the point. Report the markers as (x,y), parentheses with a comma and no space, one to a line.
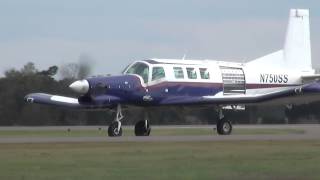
(115,128)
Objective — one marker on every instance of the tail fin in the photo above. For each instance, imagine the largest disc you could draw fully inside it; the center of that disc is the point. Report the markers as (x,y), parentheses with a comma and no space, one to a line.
(297,47)
(296,53)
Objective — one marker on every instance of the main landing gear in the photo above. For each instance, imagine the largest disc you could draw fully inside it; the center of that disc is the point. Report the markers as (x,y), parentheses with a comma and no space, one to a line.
(142,128)
(224,126)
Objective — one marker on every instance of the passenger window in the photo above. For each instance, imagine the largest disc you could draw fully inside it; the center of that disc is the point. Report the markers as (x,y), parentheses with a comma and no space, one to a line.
(204,73)
(192,74)
(158,73)
(178,72)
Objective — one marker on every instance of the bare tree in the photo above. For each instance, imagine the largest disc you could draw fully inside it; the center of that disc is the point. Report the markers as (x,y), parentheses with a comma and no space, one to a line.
(85,66)
(29,69)
(69,71)
(79,70)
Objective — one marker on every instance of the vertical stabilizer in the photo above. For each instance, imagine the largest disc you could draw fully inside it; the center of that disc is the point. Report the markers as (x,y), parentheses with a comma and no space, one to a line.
(297,48)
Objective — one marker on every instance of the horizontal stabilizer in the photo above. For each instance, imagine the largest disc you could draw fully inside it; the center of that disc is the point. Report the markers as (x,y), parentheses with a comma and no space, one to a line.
(310,78)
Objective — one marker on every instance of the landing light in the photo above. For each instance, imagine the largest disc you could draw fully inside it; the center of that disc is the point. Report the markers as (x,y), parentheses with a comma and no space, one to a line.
(81,86)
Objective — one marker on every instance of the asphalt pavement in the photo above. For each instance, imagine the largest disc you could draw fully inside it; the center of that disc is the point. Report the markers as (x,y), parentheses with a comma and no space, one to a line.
(312,132)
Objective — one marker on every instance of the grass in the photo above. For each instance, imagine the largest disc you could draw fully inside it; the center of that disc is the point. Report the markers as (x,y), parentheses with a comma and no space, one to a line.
(129,132)
(162,160)
(159,160)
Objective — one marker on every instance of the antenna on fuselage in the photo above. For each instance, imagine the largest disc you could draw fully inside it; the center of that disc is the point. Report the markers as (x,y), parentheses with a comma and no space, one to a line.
(184,57)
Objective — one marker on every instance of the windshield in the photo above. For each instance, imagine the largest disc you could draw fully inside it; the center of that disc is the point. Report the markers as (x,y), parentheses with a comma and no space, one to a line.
(140,69)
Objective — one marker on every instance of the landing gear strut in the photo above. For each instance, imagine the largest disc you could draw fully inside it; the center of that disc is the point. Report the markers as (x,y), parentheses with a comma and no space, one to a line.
(115,128)
(142,128)
(224,126)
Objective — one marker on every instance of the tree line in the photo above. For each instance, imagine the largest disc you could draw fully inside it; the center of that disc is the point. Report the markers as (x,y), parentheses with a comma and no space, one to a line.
(17,83)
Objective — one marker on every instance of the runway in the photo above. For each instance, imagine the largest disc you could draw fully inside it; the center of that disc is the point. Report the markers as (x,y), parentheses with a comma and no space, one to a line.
(311,132)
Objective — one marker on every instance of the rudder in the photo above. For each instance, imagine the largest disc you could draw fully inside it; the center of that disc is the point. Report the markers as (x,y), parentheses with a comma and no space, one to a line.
(297,48)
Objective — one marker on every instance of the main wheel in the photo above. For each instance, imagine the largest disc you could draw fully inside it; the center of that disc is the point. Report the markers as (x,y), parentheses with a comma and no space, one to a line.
(224,127)
(113,130)
(142,128)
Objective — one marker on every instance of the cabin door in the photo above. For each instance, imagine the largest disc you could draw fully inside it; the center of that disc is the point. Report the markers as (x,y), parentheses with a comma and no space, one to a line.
(233,80)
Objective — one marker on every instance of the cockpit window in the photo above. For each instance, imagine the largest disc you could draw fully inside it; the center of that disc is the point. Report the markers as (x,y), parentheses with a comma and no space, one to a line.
(192,74)
(157,73)
(178,72)
(204,73)
(140,69)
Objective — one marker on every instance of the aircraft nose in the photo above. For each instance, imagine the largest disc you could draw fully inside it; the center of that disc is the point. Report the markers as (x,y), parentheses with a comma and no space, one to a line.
(81,86)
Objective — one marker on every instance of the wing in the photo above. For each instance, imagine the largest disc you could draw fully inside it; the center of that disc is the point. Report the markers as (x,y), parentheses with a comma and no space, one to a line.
(288,95)
(55,100)
(63,101)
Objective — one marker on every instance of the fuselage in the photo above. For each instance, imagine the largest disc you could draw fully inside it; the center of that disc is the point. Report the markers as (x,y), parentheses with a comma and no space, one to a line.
(169,82)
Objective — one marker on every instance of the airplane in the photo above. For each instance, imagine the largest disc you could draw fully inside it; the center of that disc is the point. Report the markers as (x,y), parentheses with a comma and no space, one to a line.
(284,77)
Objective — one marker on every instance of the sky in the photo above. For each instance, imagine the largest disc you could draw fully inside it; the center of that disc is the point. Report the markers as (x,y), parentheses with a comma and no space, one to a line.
(112,34)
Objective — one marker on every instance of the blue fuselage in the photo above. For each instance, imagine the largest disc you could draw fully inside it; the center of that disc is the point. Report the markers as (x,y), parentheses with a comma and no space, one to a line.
(128,89)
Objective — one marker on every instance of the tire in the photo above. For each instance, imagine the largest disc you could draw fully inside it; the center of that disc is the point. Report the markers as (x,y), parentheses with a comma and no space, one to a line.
(224,127)
(141,130)
(113,130)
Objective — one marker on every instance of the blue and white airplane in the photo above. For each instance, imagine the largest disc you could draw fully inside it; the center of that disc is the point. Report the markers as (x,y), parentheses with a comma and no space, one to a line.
(283,77)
